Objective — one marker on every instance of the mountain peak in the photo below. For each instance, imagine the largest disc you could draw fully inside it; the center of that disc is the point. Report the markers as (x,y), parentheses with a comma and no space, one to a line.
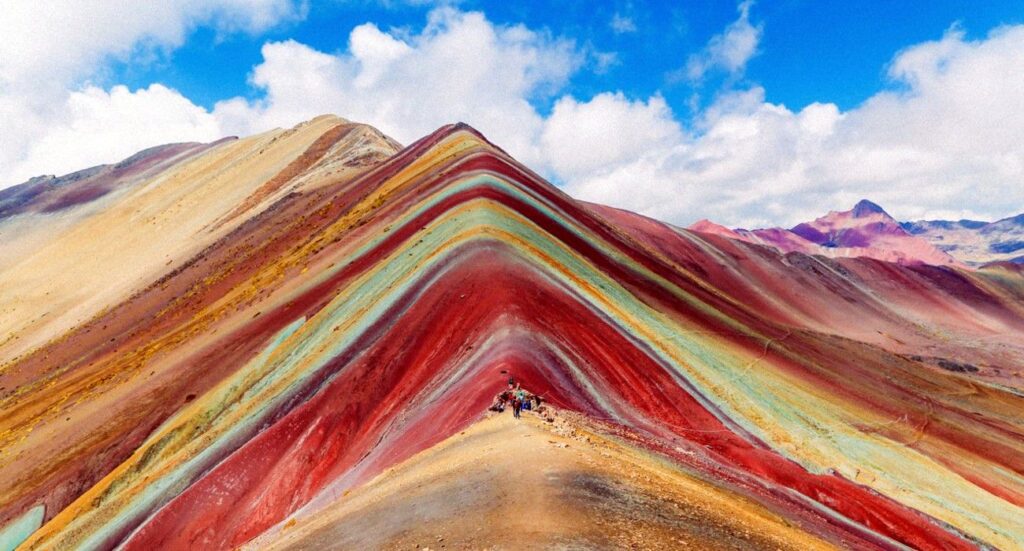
(356,309)
(866,208)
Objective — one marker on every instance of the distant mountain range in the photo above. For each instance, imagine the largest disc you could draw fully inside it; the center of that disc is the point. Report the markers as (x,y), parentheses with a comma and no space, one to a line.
(867,230)
(974,242)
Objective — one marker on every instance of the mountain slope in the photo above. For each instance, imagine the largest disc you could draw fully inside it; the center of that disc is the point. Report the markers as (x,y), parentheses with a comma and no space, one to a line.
(866,231)
(975,242)
(62,261)
(487,475)
(355,320)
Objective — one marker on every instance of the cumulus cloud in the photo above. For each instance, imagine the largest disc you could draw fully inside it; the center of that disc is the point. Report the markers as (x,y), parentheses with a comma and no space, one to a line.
(460,67)
(64,39)
(943,142)
(101,124)
(581,140)
(730,50)
(50,50)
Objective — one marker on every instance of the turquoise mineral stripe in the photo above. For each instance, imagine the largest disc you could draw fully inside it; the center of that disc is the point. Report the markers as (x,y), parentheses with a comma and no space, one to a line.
(157,492)
(378,291)
(774,399)
(20,528)
(478,179)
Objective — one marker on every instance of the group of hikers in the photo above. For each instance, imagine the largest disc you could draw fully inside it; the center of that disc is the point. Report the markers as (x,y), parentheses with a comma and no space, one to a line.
(516,397)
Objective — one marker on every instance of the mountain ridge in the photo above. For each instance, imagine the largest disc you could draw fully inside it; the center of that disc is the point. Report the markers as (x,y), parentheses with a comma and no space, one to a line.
(976,242)
(867,230)
(352,321)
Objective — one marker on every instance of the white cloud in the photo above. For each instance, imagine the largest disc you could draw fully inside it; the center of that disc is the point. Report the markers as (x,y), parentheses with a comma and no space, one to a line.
(64,39)
(112,125)
(585,139)
(603,61)
(50,50)
(944,142)
(622,24)
(460,67)
(729,51)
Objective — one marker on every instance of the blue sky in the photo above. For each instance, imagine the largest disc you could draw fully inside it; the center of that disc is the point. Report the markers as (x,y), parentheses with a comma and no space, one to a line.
(748,113)
(811,51)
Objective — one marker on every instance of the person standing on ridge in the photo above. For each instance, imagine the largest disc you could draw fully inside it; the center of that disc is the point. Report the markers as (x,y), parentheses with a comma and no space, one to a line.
(517,400)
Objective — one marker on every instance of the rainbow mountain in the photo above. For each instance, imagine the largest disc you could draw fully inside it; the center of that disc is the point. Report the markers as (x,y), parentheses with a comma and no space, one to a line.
(291,340)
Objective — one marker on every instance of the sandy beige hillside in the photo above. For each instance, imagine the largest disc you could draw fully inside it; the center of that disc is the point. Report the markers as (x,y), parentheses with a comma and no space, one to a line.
(70,264)
(366,308)
(561,485)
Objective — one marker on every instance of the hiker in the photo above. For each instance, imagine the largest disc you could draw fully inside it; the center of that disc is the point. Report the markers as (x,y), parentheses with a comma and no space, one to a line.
(520,396)
(515,396)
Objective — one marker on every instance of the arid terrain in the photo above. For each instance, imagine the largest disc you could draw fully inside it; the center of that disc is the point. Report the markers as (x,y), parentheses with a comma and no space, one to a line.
(292,340)
(560,484)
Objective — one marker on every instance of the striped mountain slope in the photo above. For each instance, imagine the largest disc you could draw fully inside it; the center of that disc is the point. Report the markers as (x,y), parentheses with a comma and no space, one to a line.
(271,323)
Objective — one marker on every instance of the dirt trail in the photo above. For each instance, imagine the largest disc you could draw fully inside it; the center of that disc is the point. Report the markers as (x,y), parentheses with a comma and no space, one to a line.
(528,484)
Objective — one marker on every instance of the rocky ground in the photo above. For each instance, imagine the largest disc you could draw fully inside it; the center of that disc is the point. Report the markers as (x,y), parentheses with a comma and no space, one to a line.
(552,481)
